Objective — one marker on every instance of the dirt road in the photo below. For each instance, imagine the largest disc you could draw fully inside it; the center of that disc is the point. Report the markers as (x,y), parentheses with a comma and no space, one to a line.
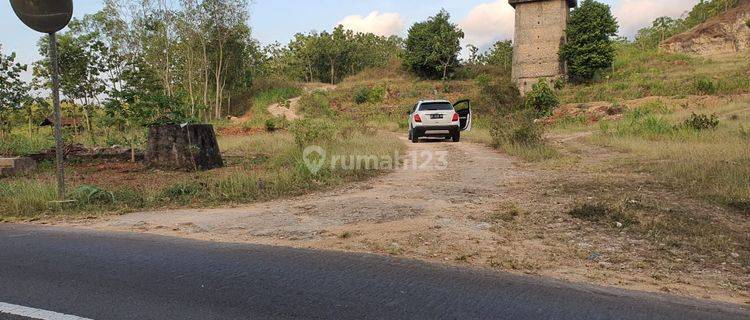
(484,209)
(405,201)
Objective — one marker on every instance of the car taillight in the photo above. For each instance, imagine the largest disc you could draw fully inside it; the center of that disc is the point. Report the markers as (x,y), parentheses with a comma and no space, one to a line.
(417,118)
(455,117)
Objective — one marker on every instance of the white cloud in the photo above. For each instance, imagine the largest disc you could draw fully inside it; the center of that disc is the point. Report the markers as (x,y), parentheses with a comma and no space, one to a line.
(488,22)
(633,15)
(382,24)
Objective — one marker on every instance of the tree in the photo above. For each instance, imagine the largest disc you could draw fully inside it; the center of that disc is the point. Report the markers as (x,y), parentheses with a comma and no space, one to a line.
(432,47)
(501,54)
(589,47)
(13,90)
(542,99)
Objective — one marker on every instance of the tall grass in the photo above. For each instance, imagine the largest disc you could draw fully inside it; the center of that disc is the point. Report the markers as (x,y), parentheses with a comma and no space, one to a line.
(18,144)
(710,163)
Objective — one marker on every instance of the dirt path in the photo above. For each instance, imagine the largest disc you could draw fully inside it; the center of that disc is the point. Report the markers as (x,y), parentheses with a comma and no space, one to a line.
(407,199)
(485,209)
(289,112)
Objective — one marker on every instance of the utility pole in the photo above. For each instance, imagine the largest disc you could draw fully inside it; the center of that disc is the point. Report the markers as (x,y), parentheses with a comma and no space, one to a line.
(59,153)
(50,16)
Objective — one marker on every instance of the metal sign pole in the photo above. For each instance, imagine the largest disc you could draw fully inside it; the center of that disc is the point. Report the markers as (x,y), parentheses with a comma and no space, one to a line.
(59,153)
(50,16)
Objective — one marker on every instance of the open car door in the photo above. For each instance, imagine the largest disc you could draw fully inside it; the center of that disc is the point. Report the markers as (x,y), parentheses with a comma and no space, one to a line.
(463,108)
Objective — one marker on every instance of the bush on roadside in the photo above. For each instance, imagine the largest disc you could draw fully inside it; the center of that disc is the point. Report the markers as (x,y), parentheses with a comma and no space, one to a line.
(310,131)
(702,122)
(87,194)
(516,128)
(371,95)
(542,99)
(271,125)
(316,104)
(705,86)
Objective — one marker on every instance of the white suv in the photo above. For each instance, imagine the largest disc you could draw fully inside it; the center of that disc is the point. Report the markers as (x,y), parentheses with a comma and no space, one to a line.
(439,118)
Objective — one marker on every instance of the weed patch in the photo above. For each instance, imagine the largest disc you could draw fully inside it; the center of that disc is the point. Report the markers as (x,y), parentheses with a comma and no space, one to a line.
(602,212)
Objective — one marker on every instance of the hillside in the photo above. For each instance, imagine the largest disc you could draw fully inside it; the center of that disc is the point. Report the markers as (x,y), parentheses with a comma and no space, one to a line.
(725,33)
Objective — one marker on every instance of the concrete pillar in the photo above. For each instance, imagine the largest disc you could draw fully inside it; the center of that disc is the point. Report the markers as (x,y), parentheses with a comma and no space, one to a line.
(539,34)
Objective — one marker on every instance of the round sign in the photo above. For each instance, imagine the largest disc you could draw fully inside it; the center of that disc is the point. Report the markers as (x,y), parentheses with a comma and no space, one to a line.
(46,16)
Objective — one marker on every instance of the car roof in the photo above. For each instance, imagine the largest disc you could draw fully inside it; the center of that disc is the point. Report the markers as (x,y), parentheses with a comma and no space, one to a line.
(433,101)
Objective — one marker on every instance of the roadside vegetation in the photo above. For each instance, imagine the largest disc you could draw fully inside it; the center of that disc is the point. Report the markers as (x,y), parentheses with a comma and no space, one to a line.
(703,151)
(259,167)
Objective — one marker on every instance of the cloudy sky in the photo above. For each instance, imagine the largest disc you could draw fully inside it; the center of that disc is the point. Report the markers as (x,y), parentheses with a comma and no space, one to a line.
(483,21)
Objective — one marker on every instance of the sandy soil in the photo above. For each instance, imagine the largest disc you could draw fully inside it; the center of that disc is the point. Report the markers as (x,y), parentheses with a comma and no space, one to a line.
(486,210)
(278,110)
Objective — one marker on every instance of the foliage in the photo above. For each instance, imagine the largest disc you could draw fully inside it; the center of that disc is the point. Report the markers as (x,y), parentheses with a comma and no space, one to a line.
(316,104)
(92,194)
(705,85)
(432,47)
(589,47)
(542,99)
(517,128)
(12,89)
(329,56)
(313,131)
(367,94)
(641,122)
(664,27)
(702,122)
(21,144)
(271,125)
(496,97)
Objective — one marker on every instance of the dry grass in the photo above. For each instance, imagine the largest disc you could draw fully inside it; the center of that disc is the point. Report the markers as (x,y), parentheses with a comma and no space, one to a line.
(258,167)
(640,74)
(714,164)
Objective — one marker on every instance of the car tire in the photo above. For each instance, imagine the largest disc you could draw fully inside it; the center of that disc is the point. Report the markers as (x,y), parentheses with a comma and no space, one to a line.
(413,137)
(456,137)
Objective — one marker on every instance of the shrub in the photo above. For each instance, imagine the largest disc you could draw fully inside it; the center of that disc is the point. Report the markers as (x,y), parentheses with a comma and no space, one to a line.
(316,104)
(702,122)
(365,94)
(87,194)
(516,128)
(496,97)
(361,95)
(270,125)
(705,86)
(747,23)
(308,131)
(542,99)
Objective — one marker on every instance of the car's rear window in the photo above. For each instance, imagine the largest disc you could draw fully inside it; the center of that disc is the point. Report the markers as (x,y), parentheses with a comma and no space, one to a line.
(435,106)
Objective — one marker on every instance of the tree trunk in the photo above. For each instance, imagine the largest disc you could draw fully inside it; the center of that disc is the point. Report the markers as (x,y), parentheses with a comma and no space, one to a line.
(205,75)
(217,110)
(333,73)
(191,147)
(190,80)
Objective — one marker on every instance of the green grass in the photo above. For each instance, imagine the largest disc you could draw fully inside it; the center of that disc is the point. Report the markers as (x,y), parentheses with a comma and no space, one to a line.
(20,143)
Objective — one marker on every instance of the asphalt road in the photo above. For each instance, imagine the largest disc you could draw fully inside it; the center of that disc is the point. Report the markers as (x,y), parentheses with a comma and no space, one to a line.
(132,276)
